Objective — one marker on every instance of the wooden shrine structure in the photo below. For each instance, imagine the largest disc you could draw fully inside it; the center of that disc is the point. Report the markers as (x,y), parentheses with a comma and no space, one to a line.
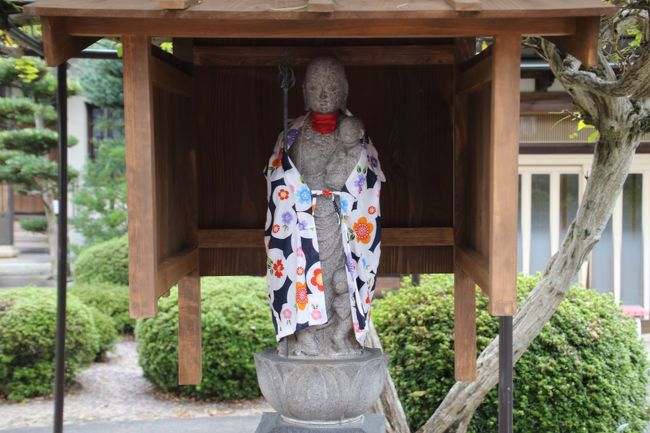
(201,124)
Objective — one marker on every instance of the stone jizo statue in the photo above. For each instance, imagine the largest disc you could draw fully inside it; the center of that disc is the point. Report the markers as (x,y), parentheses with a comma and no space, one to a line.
(332,170)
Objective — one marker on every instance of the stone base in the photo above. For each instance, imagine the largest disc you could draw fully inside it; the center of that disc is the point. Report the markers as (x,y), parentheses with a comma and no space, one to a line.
(313,390)
(8,251)
(272,422)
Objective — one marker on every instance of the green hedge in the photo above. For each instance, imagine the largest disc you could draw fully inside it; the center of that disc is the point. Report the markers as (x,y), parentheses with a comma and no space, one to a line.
(34,224)
(236,323)
(109,299)
(28,329)
(585,373)
(106,332)
(104,262)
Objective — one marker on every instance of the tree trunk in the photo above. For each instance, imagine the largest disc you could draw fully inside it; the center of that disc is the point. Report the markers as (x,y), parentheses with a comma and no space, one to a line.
(612,160)
(52,232)
(388,403)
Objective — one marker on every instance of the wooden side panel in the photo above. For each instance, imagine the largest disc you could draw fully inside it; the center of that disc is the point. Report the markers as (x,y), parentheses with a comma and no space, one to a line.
(407,113)
(487,147)
(464,295)
(189,329)
(141,175)
(504,150)
(161,174)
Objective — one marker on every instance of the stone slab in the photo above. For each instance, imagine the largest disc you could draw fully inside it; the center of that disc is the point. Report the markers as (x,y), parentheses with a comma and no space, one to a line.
(272,423)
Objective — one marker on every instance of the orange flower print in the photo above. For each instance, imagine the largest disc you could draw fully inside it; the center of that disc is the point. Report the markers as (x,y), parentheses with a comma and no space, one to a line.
(300,270)
(278,161)
(283,194)
(278,267)
(276,228)
(372,210)
(362,229)
(317,280)
(301,295)
(368,297)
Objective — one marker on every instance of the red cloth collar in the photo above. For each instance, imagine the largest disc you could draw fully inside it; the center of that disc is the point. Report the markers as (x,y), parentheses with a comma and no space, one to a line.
(324,123)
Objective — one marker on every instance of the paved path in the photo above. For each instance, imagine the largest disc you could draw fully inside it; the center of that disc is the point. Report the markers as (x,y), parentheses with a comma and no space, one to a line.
(222,424)
(116,391)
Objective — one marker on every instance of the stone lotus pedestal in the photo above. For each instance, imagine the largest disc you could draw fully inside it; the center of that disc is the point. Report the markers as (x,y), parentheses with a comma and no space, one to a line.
(321,394)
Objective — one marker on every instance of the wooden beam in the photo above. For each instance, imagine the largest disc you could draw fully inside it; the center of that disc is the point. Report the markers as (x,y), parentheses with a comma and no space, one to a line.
(475,77)
(465,5)
(348,55)
(390,237)
(59,46)
(583,44)
(189,329)
(474,265)
(311,27)
(322,6)
(170,78)
(172,269)
(503,172)
(464,326)
(177,4)
(140,174)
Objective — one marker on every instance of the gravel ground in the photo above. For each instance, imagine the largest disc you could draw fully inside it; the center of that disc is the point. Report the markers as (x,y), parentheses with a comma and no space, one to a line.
(115,390)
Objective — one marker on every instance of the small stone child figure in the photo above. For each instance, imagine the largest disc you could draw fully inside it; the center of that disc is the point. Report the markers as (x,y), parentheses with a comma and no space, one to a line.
(347,152)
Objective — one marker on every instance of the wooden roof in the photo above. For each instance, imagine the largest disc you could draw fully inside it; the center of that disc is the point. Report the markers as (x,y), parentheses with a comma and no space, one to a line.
(342,9)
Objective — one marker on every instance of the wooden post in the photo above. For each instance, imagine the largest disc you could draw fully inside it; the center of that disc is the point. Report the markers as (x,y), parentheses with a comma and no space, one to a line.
(189,329)
(140,173)
(464,326)
(503,167)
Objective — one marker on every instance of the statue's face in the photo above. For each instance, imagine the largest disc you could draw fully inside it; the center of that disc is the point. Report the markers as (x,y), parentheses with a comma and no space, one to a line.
(325,87)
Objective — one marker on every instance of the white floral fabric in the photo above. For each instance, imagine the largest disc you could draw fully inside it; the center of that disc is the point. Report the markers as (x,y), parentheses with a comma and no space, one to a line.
(295,280)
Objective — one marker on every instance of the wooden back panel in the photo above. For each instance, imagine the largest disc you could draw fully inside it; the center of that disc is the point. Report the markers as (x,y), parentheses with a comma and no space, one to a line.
(407,111)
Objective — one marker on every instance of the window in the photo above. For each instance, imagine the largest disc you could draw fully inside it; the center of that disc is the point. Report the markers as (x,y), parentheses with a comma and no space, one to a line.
(549,195)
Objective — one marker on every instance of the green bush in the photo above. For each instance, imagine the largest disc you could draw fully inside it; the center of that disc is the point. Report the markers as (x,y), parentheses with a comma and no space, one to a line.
(34,224)
(28,329)
(109,299)
(236,323)
(585,373)
(106,332)
(104,262)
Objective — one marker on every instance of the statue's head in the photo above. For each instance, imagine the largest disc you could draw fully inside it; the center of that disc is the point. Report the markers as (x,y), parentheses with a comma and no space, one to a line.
(325,87)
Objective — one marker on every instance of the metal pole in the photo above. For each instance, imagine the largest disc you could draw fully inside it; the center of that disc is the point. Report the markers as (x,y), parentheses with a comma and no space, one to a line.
(62,245)
(505,374)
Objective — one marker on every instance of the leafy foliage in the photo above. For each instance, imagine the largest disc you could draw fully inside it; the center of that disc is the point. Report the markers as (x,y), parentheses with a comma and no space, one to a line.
(110,299)
(21,112)
(30,174)
(235,324)
(101,201)
(29,140)
(101,80)
(36,224)
(586,372)
(28,328)
(104,262)
(106,332)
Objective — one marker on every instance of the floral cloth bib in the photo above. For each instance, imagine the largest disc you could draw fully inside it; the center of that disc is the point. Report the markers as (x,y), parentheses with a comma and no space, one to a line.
(295,281)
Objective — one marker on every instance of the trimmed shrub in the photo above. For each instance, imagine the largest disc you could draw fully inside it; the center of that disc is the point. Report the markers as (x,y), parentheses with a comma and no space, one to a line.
(236,323)
(109,299)
(104,262)
(586,372)
(34,224)
(106,332)
(28,329)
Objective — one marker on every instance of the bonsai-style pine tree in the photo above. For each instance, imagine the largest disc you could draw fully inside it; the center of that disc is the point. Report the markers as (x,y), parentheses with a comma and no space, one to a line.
(27,136)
